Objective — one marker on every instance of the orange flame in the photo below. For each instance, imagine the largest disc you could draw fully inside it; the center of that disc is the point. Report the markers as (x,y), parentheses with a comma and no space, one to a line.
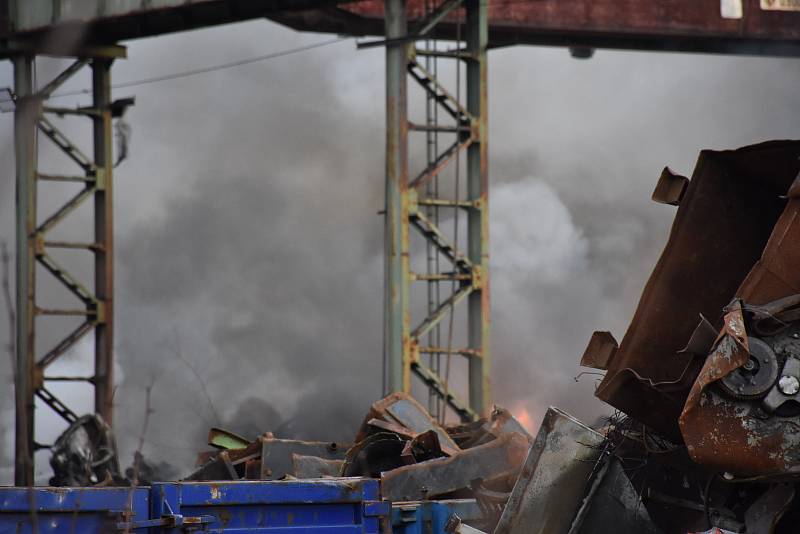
(524,418)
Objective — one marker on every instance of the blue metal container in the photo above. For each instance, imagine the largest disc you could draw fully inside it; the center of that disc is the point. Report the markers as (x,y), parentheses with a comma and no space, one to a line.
(343,506)
(346,506)
(431,517)
(70,510)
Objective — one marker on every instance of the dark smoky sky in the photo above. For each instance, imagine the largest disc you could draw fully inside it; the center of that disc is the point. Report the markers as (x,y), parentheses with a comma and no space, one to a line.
(249,269)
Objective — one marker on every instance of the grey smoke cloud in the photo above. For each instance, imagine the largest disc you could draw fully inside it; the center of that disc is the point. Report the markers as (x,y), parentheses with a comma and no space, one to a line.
(249,241)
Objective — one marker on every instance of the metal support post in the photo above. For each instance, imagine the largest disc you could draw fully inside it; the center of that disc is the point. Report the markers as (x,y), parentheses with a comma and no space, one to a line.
(396,209)
(25,152)
(104,238)
(478,219)
(414,203)
(33,246)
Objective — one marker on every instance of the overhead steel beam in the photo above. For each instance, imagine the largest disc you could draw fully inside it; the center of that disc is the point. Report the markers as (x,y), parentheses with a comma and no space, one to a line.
(55,26)
(712,26)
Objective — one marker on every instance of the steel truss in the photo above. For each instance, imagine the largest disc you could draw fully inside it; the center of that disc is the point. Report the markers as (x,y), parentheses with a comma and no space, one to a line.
(33,246)
(462,273)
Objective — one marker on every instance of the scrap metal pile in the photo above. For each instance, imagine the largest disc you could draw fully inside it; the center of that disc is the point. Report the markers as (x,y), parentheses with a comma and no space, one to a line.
(706,384)
(401,444)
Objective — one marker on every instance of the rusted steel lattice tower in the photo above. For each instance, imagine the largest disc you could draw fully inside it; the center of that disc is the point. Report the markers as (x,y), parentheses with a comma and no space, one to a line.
(463,272)
(94,178)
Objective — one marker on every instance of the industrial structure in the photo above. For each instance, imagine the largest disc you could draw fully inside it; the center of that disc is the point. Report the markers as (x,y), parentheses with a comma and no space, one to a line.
(418,340)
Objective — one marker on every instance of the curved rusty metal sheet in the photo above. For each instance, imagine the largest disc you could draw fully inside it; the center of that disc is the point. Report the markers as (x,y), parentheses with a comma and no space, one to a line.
(725,219)
(733,435)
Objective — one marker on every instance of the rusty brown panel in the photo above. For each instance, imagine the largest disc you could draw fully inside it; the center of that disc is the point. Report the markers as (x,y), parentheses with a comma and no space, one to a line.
(670,188)
(776,274)
(730,208)
(723,433)
(596,15)
(601,349)
(400,409)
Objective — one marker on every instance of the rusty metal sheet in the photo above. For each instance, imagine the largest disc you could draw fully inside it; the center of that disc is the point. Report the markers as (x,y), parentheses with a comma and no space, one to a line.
(702,339)
(600,350)
(474,433)
(276,454)
(496,460)
(612,500)
(401,409)
(385,426)
(729,210)
(554,479)
(315,467)
(274,457)
(736,435)
(218,468)
(775,275)
(670,188)
(468,434)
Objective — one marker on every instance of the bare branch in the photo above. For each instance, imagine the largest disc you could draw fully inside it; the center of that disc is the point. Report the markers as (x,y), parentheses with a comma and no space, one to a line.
(176,350)
(137,455)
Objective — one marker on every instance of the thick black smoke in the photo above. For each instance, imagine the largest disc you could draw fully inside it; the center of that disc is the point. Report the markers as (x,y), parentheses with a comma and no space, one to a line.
(249,271)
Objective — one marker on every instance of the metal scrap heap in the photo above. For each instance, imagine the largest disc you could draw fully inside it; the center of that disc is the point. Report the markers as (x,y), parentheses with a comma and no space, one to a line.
(565,480)
(706,384)
(398,442)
